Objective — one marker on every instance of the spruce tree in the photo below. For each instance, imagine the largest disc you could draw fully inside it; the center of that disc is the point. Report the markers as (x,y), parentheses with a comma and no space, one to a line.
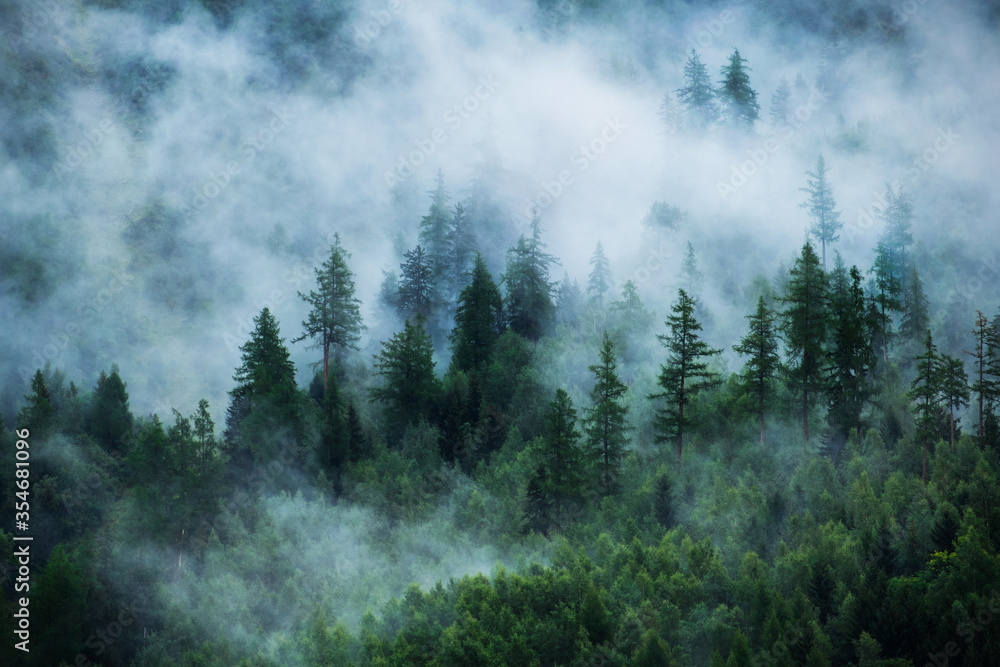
(684,375)
(897,234)
(916,318)
(435,229)
(599,281)
(204,432)
(37,415)
(568,301)
(461,249)
(697,95)
(761,370)
(110,419)
(739,100)
(925,390)
(851,357)
(886,297)
(954,389)
(826,224)
(528,304)
(606,423)
(781,104)
(986,373)
(416,295)
(335,318)
(562,457)
(406,365)
(804,323)
(476,320)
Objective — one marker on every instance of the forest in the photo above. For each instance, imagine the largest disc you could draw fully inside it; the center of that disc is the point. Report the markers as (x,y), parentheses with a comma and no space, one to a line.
(708,377)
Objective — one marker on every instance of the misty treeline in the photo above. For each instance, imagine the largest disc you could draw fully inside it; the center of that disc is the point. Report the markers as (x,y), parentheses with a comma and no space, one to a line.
(835,501)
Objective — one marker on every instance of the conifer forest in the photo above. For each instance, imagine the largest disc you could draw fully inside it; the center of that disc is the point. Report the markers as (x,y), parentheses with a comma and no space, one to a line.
(545,332)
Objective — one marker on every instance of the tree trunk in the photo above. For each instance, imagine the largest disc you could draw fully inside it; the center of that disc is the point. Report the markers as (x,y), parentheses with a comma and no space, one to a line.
(680,435)
(923,476)
(326,365)
(805,412)
(951,408)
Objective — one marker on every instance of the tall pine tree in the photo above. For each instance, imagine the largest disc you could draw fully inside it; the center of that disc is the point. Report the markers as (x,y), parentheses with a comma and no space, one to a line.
(528,301)
(761,370)
(925,390)
(826,224)
(606,422)
(477,320)
(562,458)
(599,281)
(409,387)
(739,100)
(684,375)
(851,357)
(697,95)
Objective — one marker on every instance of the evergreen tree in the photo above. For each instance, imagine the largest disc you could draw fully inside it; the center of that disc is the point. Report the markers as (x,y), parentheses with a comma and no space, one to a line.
(826,223)
(387,297)
(335,318)
(685,373)
(37,415)
(416,295)
(897,234)
(691,278)
(461,249)
(697,95)
(886,297)
(925,390)
(568,300)
(804,327)
(739,100)
(406,366)
(435,229)
(761,370)
(606,423)
(954,389)
(986,371)
(599,281)
(663,500)
(204,432)
(265,375)
(110,419)
(781,103)
(916,318)
(528,301)
(852,358)
(476,320)
(562,457)
(632,314)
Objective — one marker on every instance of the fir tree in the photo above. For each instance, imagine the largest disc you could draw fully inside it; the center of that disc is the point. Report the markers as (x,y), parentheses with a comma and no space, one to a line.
(110,419)
(37,415)
(599,281)
(416,295)
(739,100)
(761,370)
(925,390)
(691,278)
(606,423)
(335,318)
(916,318)
(804,327)
(986,370)
(568,299)
(781,104)
(954,389)
(821,206)
(562,457)
(886,297)
(435,229)
(897,234)
(204,432)
(461,249)
(685,373)
(528,302)
(697,95)
(852,358)
(476,320)
(406,366)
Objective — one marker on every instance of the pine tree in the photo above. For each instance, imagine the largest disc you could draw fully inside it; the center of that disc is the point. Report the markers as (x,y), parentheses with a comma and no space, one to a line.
(684,374)
(897,234)
(265,375)
(739,100)
(461,249)
(335,318)
(416,295)
(476,320)
(568,300)
(562,457)
(691,278)
(886,298)
(954,389)
(632,314)
(852,358)
(781,104)
(916,318)
(986,370)
(406,366)
(804,327)
(599,281)
(826,223)
(925,390)
(37,415)
(528,302)
(606,423)
(761,370)
(110,419)
(697,95)
(204,431)
(435,229)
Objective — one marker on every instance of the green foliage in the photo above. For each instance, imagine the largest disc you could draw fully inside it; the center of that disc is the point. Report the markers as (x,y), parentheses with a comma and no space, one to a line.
(528,304)
(761,370)
(477,320)
(599,281)
(739,100)
(607,426)
(409,387)
(826,223)
(697,96)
